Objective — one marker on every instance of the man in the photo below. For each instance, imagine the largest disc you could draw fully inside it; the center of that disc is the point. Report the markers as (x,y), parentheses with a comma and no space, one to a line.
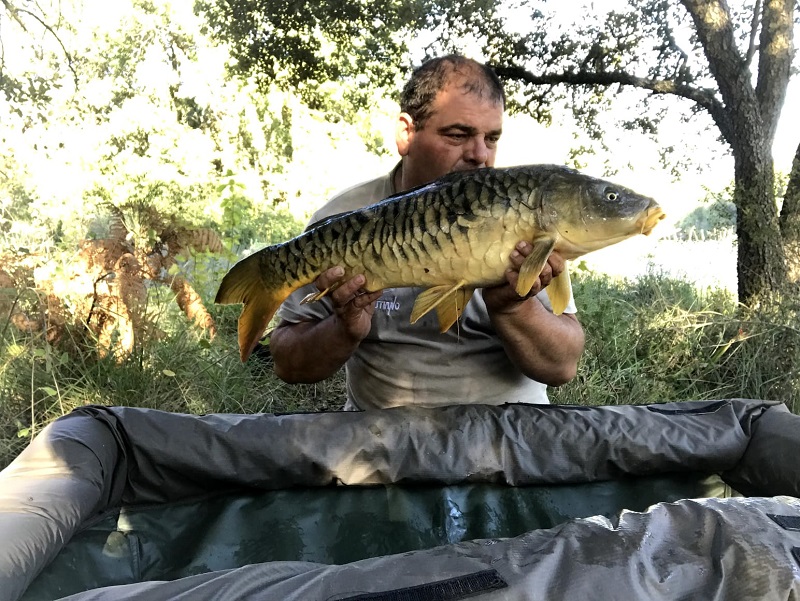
(505,348)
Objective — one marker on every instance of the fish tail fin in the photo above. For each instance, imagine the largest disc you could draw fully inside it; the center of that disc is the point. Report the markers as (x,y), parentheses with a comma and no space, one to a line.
(244,284)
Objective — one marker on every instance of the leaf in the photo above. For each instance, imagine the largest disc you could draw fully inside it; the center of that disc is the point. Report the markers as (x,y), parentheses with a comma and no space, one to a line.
(23,433)
(15,350)
(49,391)
(168,372)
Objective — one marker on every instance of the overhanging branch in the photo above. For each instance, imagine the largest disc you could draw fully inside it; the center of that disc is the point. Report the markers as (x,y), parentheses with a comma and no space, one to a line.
(705,98)
(15,13)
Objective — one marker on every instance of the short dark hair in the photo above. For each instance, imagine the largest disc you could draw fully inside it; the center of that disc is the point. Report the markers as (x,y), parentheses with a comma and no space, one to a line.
(431,77)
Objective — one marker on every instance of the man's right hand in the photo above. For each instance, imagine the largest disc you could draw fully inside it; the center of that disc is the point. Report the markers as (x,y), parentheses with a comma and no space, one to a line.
(310,351)
(353,306)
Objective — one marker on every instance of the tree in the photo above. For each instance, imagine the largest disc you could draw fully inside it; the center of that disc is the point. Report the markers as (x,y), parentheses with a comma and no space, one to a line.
(301,45)
(733,64)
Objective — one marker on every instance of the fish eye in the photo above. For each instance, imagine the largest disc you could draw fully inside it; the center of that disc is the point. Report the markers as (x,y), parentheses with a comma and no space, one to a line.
(611,195)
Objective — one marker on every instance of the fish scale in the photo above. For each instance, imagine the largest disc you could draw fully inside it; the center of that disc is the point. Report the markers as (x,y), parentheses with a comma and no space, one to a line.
(449,237)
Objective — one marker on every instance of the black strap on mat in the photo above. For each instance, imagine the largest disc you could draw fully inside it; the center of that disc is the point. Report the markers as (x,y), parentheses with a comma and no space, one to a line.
(787,522)
(452,589)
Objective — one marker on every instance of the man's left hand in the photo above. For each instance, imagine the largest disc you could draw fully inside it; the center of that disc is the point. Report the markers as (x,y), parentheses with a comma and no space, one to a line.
(504,297)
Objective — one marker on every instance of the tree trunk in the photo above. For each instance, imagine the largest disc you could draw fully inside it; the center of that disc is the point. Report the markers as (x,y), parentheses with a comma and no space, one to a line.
(761,262)
(790,221)
(753,114)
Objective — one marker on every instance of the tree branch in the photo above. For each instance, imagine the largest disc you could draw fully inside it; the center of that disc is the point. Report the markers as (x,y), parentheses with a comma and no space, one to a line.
(714,29)
(704,97)
(776,49)
(751,46)
(15,13)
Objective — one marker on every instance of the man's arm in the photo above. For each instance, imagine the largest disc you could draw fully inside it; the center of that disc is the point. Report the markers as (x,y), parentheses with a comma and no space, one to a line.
(545,347)
(311,351)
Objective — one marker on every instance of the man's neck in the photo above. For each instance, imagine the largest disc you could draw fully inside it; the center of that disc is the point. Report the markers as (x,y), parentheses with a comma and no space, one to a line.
(397,178)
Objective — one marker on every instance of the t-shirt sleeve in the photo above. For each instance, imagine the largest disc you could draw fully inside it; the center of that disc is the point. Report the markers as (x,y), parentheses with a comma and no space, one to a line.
(545,300)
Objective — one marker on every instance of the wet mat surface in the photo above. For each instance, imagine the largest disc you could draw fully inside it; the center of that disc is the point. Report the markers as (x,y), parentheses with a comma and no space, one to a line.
(332,525)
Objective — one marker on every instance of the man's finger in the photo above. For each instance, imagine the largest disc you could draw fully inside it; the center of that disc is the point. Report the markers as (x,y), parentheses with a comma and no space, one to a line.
(328,278)
(347,291)
(557,263)
(362,301)
(520,253)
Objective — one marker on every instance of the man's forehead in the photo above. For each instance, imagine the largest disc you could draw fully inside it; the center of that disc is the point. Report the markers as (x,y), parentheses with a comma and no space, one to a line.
(471,87)
(457,107)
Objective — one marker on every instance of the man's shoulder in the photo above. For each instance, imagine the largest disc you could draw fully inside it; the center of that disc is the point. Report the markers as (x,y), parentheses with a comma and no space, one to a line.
(356,197)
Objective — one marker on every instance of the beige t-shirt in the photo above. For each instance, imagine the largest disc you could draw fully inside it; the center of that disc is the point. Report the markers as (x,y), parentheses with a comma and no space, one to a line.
(400,363)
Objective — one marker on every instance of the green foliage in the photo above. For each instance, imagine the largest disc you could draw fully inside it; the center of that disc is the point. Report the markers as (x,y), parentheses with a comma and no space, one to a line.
(658,339)
(712,220)
(301,45)
(652,340)
(132,105)
(244,224)
(175,368)
(158,118)
(716,217)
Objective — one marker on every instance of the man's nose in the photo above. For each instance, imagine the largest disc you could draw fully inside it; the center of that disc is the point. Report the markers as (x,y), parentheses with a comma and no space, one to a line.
(476,151)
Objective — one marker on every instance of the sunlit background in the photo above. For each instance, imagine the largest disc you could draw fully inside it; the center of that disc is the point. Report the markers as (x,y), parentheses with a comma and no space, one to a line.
(68,155)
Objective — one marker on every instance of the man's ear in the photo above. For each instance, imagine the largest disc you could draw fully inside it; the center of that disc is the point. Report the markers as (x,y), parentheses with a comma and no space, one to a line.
(404,132)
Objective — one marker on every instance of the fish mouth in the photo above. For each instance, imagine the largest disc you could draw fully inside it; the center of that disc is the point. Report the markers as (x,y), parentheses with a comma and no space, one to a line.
(650,219)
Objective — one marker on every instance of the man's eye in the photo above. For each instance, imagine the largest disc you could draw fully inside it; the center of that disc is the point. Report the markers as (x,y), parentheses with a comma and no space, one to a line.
(457,136)
(492,140)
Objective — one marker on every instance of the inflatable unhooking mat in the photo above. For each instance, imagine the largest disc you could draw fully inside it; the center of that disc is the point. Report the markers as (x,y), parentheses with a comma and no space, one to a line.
(692,500)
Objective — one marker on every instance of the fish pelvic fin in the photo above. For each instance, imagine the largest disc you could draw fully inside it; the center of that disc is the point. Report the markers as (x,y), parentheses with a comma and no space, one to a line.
(559,292)
(449,311)
(434,297)
(320,294)
(244,284)
(534,263)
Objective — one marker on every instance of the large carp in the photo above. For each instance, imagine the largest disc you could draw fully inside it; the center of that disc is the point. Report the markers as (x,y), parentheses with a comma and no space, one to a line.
(450,236)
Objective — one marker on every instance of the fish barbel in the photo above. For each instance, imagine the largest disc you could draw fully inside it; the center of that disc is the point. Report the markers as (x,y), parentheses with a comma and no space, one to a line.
(450,236)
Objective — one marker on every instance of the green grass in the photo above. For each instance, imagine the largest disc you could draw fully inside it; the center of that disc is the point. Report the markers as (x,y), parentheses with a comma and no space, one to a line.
(655,339)
(658,339)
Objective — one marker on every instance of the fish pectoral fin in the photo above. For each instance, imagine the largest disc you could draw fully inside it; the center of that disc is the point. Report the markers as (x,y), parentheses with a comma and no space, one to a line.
(432,297)
(319,295)
(559,292)
(449,312)
(534,263)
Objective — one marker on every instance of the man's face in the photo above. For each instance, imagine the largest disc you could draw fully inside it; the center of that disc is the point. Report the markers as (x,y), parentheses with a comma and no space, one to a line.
(461,133)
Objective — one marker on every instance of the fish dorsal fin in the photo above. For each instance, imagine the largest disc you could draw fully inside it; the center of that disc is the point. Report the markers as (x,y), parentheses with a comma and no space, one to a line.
(432,297)
(532,267)
(559,291)
(449,311)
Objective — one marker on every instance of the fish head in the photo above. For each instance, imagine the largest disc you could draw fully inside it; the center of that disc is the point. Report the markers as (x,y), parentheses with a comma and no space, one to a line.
(590,213)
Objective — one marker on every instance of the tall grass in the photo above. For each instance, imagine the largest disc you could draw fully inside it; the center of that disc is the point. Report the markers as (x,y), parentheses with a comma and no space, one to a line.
(653,339)
(657,339)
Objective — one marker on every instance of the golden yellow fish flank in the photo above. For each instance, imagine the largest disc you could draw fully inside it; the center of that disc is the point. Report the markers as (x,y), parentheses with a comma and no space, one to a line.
(451,236)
